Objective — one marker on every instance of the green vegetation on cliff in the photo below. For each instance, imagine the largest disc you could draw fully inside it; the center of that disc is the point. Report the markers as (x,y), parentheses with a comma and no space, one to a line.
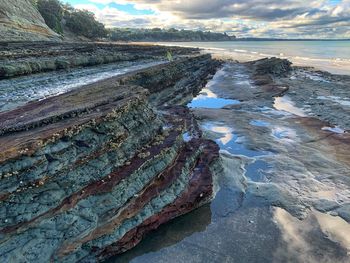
(60,17)
(158,34)
(52,12)
(81,22)
(84,23)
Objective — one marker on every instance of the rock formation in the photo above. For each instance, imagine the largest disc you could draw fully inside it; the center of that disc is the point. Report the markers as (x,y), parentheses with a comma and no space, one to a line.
(275,66)
(23,59)
(20,20)
(86,174)
(264,71)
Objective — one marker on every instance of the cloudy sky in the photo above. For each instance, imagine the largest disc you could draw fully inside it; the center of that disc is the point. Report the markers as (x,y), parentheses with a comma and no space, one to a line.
(243,18)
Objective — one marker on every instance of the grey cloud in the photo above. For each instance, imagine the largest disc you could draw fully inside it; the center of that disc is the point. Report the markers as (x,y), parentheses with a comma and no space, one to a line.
(264,18)
(253,9)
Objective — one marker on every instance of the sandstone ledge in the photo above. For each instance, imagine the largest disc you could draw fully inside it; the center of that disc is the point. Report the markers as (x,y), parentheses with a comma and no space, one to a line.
(86,174)
(23,58)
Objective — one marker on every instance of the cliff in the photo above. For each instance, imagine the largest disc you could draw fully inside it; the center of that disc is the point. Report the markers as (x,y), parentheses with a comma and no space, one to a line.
(86,174)
(20,20)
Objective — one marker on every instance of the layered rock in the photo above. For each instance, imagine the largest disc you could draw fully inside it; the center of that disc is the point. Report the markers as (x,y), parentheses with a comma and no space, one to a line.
(274,66)
(173,83)
(18,59)
(20,20)
(265,71)
(85,175)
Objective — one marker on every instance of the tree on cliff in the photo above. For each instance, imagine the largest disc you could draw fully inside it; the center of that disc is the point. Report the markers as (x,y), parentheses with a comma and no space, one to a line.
(80,22)
(52,12)
(83,23)
(158,34)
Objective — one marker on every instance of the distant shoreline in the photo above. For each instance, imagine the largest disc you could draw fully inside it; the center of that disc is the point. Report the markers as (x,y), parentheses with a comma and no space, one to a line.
(2,43)
(241,39)
(281,39)
(332,56)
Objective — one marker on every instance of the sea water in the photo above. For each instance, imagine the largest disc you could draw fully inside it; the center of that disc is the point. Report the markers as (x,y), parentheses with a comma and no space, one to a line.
(332,56)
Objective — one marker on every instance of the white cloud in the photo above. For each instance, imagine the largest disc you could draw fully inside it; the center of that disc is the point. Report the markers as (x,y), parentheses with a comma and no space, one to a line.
(261,18)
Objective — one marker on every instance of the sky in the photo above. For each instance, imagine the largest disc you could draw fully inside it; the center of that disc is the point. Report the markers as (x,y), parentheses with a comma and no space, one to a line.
(243,18)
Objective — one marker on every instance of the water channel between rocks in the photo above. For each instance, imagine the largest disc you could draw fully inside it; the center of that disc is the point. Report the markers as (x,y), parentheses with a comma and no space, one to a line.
(19,91)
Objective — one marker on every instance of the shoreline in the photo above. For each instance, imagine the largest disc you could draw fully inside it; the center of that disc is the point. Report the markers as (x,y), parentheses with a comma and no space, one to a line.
(258,143)
(340,66)
(284,185)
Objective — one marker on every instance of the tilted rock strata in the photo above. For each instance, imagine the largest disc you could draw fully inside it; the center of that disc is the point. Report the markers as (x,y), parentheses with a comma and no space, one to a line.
(178,82)
(18,59)
(199,192)
(86,174)
(172,83)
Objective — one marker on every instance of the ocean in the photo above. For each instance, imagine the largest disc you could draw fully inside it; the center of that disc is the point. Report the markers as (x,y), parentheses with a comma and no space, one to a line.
(332,56)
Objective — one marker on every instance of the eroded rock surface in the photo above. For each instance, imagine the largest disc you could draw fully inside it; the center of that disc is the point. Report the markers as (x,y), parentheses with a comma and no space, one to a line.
(86,174)
(27,58)
(284,193)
